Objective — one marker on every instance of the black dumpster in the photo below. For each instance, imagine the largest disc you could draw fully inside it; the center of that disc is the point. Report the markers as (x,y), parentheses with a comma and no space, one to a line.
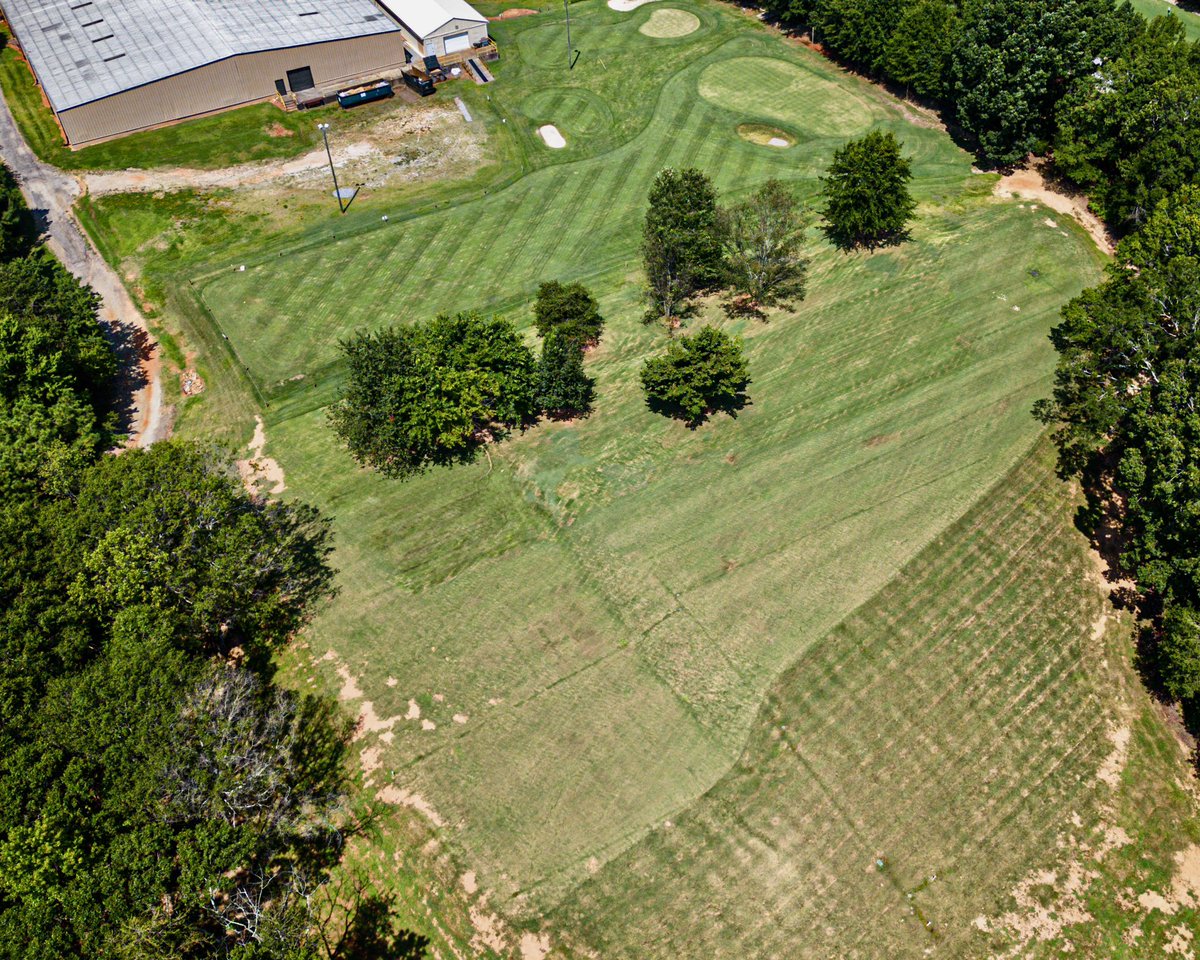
(374,91)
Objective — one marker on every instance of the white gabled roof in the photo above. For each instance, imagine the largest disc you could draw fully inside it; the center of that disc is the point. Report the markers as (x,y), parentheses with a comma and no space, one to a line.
(424,17)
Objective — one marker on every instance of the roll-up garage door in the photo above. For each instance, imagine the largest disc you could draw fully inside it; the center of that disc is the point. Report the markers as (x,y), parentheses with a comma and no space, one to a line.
(457,42)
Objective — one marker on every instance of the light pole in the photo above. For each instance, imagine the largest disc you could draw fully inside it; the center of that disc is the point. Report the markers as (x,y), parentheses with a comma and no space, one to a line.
(337,191)
(567,11)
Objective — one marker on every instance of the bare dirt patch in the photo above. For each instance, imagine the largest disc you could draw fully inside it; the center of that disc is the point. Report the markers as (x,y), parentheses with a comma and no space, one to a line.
(882,439)
(1114,763)
(261,474)
(1035,920)
(512,12)
(534,946)
(1029,184)
(398,797)
(398,148)
(191,384)
(278,130)
(489,931)
(350,689)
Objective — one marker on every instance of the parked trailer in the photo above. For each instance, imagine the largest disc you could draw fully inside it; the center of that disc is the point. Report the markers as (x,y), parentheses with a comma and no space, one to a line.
(373,91)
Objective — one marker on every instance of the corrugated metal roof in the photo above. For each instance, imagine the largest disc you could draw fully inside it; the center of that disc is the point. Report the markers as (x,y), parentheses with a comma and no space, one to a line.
(84,50)
(423,17)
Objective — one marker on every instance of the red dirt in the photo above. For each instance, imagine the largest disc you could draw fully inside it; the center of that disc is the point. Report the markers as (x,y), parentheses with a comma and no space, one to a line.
(515,12)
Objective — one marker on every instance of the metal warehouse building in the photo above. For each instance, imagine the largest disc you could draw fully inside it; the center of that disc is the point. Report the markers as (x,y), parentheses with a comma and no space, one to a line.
(110,67)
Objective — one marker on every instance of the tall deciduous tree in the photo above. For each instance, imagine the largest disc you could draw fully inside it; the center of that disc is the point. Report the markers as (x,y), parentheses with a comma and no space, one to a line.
(699,374)
(171,526)
(919,50)
(1114,339)
(1127,132)
(867,202)
(681,242)
(563,389)
(764,243)
(1127,389)
(857,31)
(570,309)
(424,394)
(1017,58)
(1179,652)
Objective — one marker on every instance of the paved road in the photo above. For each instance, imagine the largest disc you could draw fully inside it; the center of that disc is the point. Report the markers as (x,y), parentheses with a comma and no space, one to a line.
(50,194)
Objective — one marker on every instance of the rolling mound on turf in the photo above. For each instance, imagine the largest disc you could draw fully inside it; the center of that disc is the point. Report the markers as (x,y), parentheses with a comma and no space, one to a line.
(575,111)
(668,23)
(784,90)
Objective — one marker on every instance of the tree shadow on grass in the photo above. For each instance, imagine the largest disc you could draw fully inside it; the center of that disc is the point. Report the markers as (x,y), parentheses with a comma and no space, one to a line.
(731,404)
(371,934)
(850,242)
(737,307)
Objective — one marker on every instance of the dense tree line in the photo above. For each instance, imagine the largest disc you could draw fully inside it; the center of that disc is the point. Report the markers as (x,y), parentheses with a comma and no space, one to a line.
(1009,73)
(160,796)
(1126,418)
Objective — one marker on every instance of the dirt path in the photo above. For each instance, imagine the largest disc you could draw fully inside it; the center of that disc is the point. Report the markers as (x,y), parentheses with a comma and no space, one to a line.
(50,194)
(395,147)
(1029,184)
(170,179)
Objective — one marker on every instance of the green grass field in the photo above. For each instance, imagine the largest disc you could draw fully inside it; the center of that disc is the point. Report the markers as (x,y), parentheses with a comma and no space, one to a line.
(1160,8)
(853,622)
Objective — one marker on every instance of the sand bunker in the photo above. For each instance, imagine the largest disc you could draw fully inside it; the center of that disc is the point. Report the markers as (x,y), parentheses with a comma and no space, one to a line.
(766,136)
(554,139)
(667,23)
(624,6)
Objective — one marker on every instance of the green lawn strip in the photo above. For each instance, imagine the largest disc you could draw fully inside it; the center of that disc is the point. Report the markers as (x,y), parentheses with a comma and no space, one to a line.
(950,727)
(604,605)
(637,609)
(567,220)
(1161,8)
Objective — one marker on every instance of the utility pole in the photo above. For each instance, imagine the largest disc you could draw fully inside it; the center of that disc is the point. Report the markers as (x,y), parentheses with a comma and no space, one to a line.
(567,11)
(337,192)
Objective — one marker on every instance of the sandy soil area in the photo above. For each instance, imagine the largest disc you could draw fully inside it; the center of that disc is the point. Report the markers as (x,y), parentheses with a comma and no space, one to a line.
(1029,184)
(401,147)
(554,140)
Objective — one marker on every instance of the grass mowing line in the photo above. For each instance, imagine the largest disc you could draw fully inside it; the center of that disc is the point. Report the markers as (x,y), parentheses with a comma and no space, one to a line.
(759,530)
(1049,763)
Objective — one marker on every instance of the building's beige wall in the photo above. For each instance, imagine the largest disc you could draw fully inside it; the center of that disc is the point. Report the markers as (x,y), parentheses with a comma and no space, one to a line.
(436,43)
(230,83)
